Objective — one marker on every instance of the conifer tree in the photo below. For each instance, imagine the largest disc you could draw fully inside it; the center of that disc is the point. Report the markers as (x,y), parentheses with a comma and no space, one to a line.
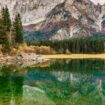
(18,29)
(6,24)
(6,19)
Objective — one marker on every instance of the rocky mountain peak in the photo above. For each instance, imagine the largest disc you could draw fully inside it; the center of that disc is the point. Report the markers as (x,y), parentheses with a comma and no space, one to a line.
(60,19)
(31,10)
(75,18)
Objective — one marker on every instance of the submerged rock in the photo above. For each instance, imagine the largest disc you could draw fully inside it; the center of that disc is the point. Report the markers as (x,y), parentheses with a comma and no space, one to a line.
(35,96)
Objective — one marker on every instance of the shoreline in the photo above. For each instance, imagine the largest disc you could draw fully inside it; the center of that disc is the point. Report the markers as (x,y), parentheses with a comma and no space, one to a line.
(28,59)
(74,56)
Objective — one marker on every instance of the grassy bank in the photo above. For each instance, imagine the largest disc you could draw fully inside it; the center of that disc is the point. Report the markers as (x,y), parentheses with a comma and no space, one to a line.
(24,48)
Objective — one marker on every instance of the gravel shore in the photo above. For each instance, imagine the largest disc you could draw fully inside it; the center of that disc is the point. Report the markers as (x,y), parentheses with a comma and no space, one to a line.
(24,58)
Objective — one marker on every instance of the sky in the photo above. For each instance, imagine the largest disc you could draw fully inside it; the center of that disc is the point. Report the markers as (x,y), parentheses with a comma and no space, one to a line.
(98,1)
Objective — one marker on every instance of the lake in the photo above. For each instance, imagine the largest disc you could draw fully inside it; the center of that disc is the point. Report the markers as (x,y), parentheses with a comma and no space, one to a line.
(58,82)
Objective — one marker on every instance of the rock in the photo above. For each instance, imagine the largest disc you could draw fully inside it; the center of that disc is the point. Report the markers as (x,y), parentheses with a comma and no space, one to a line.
(31,10)
(26,59)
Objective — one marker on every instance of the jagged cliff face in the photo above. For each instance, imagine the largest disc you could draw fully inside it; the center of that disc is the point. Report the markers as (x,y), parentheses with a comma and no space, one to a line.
(79,17)
(59,19)
(31,10)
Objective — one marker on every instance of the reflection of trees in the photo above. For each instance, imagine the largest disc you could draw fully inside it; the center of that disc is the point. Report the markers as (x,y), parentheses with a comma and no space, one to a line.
(83,65)
(5,91)
(16,86)
(78,82)
(10,87)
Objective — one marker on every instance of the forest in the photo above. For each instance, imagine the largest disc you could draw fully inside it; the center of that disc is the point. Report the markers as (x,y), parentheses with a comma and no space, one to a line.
(76,45)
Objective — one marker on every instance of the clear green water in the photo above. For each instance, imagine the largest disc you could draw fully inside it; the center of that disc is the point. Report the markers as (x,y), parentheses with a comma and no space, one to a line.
(63,82)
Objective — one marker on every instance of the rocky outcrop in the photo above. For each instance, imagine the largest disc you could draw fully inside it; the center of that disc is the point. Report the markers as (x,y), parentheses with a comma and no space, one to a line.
(35,96)
(71,19)
(31,10)
(78,18)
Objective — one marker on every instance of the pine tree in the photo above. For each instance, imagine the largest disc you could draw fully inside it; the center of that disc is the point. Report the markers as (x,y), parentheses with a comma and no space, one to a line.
(6,24)
(6,19)
(18,29)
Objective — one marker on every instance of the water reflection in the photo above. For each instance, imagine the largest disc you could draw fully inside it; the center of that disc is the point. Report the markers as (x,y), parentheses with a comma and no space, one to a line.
(63,82)
(10,87)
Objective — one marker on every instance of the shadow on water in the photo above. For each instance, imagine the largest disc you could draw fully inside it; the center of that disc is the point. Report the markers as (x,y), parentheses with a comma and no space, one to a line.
(63,82)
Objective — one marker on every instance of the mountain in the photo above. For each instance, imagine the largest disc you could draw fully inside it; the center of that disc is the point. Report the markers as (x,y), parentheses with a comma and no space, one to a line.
(75,18)
(58,19)
(31,11)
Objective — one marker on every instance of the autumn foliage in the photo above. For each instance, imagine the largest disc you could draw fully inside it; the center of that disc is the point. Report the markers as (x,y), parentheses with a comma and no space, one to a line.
(23,48)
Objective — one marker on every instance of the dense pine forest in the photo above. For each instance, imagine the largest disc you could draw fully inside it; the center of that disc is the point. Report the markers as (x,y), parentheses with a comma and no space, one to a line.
(11,32)
(76,45)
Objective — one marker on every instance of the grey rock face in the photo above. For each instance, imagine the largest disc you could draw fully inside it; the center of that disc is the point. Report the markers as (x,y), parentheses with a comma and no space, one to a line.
(81,18)
(31,10)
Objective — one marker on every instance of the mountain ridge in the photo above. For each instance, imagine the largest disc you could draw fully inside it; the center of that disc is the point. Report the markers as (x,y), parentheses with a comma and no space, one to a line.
(60,19)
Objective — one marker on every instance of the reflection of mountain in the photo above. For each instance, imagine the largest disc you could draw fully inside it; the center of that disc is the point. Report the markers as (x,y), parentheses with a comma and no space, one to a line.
(58,84)
(69,86)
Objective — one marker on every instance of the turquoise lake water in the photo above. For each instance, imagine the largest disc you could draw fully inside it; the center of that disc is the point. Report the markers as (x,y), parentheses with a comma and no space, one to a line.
(61,82)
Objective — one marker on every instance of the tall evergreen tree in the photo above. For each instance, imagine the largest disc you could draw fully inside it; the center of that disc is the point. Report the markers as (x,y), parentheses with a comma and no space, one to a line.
(6,19)
(18,29)
(6,24)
